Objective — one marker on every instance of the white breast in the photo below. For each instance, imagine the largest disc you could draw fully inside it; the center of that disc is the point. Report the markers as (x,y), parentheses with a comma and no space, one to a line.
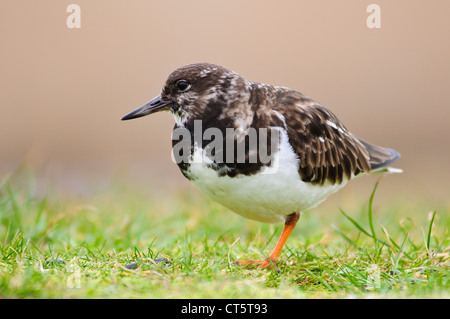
(268,196)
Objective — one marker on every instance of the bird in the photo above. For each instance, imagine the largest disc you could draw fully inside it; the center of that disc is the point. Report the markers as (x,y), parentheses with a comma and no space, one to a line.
(307,153)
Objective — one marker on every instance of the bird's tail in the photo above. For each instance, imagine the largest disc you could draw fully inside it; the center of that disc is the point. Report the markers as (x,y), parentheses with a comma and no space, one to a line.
(380,158)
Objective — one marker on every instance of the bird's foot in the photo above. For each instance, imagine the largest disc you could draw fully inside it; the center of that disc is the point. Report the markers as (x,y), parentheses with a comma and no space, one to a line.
(267,263)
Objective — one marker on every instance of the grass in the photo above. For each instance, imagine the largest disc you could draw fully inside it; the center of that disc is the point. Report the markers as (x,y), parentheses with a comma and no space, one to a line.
(80,248)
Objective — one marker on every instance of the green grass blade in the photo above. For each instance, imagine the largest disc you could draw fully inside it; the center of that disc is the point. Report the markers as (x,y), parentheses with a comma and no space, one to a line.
(370,211)
(322,281)
(337,230)
(15,221)
(355,223)
(429,230)
(372,229)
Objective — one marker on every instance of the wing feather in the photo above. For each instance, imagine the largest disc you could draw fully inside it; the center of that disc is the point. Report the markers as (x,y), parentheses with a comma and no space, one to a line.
(326,150)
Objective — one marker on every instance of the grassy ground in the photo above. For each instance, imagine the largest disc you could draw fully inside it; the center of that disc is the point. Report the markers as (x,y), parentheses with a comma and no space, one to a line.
(116,246)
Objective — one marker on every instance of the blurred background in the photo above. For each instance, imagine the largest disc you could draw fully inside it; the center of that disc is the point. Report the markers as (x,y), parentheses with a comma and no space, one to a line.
(63,91)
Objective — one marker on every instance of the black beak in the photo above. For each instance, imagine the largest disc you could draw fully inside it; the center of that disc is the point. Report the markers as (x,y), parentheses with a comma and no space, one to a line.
(155,105)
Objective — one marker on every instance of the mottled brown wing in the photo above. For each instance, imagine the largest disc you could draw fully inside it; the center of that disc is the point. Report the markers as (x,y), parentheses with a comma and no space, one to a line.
(326,150)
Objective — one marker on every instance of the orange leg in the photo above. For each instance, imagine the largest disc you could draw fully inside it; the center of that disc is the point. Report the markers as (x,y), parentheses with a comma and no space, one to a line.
(289,225)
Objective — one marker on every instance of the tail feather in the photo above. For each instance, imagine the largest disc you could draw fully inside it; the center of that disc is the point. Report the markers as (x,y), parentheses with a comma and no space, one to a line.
(380,157)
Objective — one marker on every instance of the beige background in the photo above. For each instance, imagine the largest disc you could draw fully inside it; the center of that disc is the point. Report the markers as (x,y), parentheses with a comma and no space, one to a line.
(63,91)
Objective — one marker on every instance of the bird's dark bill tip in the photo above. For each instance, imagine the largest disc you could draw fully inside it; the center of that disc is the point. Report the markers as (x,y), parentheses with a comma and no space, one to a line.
(131,115)
(155,105)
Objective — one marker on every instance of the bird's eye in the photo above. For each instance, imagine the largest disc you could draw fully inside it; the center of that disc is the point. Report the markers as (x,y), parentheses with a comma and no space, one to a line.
(183,86)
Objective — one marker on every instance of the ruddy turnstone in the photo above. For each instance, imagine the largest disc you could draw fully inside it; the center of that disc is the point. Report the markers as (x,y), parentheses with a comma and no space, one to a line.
(275,151)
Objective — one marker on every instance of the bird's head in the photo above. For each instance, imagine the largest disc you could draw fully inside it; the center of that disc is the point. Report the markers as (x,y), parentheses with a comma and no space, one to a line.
(197,91)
